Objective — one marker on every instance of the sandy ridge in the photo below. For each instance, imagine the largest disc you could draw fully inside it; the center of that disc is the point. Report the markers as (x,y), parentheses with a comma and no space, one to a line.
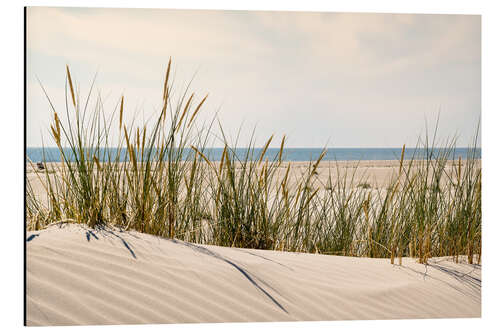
(81,276)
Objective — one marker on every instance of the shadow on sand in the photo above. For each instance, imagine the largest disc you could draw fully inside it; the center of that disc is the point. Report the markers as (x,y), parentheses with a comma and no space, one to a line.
(240,269)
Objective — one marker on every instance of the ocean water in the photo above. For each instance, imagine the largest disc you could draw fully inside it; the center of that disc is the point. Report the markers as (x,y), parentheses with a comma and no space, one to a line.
(289,154)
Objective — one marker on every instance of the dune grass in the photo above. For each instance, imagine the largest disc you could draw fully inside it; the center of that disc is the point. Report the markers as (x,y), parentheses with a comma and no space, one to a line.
(158,179)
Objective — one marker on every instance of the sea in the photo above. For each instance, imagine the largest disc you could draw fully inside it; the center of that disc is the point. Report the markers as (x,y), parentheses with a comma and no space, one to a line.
(36,154)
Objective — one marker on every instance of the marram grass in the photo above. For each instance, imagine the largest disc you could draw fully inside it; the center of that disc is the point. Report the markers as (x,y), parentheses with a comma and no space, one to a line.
(168,186)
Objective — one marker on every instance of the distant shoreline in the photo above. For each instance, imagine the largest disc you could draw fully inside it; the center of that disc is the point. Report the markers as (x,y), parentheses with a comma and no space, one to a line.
(35,154)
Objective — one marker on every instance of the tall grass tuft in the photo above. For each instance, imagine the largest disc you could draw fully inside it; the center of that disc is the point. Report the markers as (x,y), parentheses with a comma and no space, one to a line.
(159,178)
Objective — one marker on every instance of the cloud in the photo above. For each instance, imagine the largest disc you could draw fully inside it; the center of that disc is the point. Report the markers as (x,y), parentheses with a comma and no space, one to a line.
(314,76)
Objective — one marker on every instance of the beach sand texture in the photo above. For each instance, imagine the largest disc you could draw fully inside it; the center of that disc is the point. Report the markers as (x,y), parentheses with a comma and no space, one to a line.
(81,276)
(378,175)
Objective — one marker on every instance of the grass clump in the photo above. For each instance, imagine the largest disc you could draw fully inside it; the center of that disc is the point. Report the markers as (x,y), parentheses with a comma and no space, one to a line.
(134,185)
(159,178)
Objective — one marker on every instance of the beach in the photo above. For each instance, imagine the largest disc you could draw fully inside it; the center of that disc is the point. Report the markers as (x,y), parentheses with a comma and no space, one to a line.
(78,275)
(371,174)
(82,276)
(251,166)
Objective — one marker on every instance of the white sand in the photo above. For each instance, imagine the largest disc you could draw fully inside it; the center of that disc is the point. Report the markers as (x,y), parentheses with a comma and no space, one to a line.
(378,175)
(80,276)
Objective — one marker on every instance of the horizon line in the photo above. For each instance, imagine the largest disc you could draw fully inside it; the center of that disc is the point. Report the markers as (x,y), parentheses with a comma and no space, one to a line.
(222,147)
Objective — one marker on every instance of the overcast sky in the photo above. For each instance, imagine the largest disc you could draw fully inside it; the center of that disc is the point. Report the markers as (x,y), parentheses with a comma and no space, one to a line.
(336,79)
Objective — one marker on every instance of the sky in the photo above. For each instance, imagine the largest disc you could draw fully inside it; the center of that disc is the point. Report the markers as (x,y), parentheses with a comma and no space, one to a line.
(321,79)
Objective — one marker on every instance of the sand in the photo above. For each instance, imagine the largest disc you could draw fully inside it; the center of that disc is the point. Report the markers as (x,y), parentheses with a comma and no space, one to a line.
(81,276)
(377,175)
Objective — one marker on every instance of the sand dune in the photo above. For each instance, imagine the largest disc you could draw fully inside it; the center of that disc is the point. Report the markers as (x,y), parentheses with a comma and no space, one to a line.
(81,276)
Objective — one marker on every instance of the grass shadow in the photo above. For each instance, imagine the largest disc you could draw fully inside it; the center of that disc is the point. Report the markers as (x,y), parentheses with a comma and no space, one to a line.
(240,269)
